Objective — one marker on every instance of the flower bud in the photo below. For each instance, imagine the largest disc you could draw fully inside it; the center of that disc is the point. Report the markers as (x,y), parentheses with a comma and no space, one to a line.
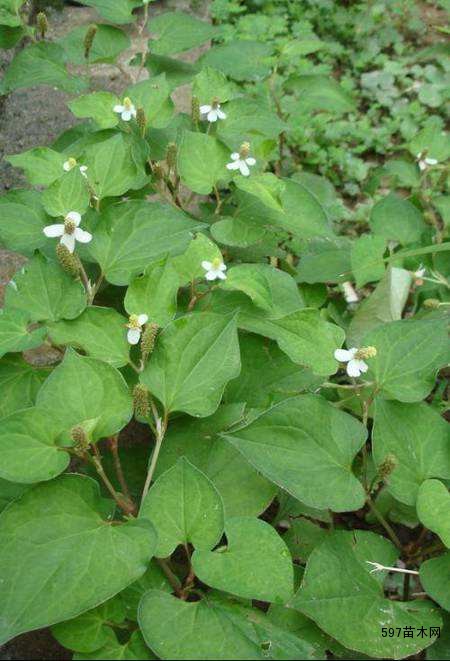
(42,23)
(81,440)
(171,156)
(244,150)
(140,400)
(195,109)
(366,352)
(432,303)
(148,340)
(158,171)
(89,39)
(387,466)
(69,262)
(141,120)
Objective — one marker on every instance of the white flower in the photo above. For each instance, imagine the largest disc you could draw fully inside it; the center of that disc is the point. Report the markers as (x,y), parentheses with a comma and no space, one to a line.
(350,294)
(425,162)
(241,160)
(127,110)
(135,324)
(69,231)
(215,269)
(213,111)
(71,163)
(354,359)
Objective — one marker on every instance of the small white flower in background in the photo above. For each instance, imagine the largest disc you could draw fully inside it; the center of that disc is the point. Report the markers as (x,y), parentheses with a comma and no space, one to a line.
(69,231)
(135,324)
(215,269)
(71,163)
(425,162)
(355,359)
(127,110)
(350,294)
(213,111)
(241,160)
(418,275)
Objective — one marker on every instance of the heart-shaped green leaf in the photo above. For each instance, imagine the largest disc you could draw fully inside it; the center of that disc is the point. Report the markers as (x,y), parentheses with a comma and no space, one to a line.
(154,293)
(433,508)
(14,333)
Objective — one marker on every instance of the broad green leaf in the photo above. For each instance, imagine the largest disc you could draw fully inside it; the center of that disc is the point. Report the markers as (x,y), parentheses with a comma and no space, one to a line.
(45,292)
(9,36)
(240,60)
(396,219)
(303,536)
(154,293)
(97,106)
(267,286)
(347,602)
(10,12)
(28,448)
(367,259)
(184,507)
(69,193)
(409,354)
(433,508)
(213,628)
(10,491)
(212,84)
(201,161)
(306,446)
(22,221)
(435,578)
(41,165)
(108,43)
(84,389)
(99,332)
(431,139)
(133,649)
(266,187)
(256,564)
(15,334)
(251,121)
(113,167)
(41,63)
(243,490)
(153,95)
(317,92)
(419,439)
(189,265)
(194,359)
(325,260)
(119,11)
(153,579)
(177,72)
(51,540)
(267,375)
(238,232)
(121,246)
(176,32)
(19,384)
(384,304)
(91,630)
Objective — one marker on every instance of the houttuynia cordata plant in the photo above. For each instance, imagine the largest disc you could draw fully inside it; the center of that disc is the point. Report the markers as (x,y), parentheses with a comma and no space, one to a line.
(223,360)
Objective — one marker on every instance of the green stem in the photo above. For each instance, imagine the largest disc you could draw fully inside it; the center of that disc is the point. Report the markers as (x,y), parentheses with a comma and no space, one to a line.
(388,528)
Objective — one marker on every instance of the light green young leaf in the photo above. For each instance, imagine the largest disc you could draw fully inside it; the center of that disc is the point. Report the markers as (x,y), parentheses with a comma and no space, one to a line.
(250,120)
(22,221)
(51,539)
(210,84)
(176,32)
(433,508)
(347,602)
(256,564)
(154,293)
(238,232)
(189,264)
(367,259)
(311,461)
(97,106)
(396,219)
(119,11)
(14,332)
(214,628)
(243,490)
(153,95)
(28,447)
(201,161)
(69,193)
(83,389)
(19,384)
(240,60)
(99,332)
(184,507)
(409,354)
(121,246)
(266,187)
(267,286)
(134,649)
(317,92)
(41,165)
(418,437)
(194,359)
(45,292)
(9,12)
(435,578)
